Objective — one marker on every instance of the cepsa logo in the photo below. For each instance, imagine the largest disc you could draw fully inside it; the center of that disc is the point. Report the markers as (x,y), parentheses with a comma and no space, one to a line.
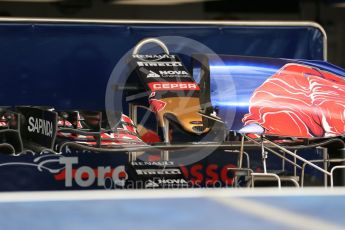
(159,86)
(209,175)
(85,176)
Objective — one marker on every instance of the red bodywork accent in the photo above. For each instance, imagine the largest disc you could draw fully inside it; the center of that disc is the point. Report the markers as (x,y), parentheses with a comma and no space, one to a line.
(125,134)
(299,101)
(150,137)
(157,105)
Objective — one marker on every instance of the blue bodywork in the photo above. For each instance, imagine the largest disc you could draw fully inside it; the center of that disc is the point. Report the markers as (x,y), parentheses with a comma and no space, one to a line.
(233,80)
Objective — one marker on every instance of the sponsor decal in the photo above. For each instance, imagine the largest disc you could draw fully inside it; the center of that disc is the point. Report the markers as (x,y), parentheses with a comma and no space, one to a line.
(85,176)
(158,172)
(208,175)
(174,63)
(161,182)
(152,163)
(152,74)
(168,74)
(160,86)
(40,126)
(172,181)
(153,56)
(174,73)
(151,184)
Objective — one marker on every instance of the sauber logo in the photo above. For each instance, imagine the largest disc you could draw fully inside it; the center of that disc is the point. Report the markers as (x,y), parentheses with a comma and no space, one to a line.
(159,86)
(40,126)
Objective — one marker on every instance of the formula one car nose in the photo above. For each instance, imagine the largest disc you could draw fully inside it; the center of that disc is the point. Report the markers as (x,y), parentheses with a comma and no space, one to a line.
(174,93)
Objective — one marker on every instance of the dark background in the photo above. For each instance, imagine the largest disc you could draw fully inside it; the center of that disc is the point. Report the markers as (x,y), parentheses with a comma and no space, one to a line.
(329,13)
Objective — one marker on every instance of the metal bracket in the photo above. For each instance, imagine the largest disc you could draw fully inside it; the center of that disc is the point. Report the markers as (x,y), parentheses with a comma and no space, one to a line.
(332,171)
(265,176)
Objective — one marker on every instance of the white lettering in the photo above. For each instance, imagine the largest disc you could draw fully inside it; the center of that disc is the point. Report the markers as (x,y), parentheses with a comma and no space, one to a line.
(159,63)
(40,126)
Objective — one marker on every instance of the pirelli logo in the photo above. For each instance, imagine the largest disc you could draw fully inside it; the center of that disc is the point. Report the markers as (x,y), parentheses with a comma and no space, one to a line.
(159,63)
(158,171)
(161,86)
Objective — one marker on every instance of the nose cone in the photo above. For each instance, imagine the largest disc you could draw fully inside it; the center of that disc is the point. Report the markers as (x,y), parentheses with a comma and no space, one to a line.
(185,110)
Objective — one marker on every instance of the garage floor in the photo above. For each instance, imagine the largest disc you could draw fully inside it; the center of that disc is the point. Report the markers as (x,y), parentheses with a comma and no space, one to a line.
(311,208)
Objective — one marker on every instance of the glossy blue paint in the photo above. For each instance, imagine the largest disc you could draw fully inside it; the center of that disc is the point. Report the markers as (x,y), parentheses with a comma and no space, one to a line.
(68,65)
